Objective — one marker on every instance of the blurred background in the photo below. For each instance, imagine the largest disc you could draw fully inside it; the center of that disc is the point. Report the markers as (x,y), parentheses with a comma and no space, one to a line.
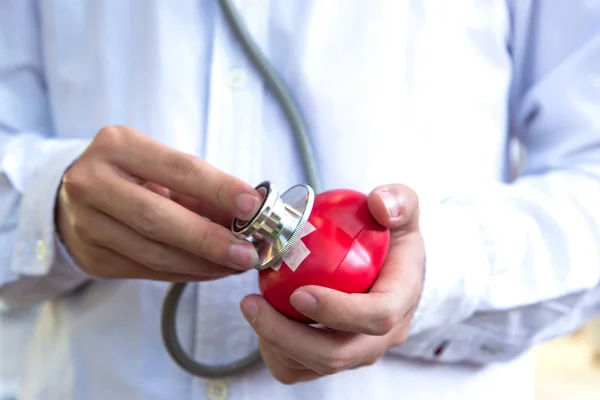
(569,368)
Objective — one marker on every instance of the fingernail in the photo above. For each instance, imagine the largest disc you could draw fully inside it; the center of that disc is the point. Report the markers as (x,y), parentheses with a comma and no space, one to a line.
(247,205)
(393,203)
(249,309)
(303,301)
(242,256)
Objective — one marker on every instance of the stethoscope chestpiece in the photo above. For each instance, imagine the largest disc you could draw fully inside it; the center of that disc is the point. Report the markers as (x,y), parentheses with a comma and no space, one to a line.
(279,222)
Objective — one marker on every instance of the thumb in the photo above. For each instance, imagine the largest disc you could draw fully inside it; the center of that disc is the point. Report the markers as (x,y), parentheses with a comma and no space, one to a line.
(395,207)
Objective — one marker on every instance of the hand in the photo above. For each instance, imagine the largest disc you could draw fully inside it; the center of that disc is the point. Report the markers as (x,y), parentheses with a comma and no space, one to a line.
(360,328)
(133,208)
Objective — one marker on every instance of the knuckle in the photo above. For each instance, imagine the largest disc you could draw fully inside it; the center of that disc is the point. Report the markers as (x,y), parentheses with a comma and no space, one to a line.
(109,138)
(157,258)
(219,192)
(207,244)
(268,334)
(270,338)
(82,231)
(400,338)
(338,320)
(76,182)
(333,367)
(285,377)
(337,323)
(146,220)
(201,240)
(180,166)
(384,325)
(335,362)
(338,316)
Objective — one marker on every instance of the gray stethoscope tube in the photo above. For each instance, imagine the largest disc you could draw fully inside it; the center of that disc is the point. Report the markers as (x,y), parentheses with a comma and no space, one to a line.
(306,152)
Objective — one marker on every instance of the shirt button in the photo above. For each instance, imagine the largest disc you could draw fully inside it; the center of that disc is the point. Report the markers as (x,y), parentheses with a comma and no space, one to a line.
(40,251)
(237,78)
(217,390)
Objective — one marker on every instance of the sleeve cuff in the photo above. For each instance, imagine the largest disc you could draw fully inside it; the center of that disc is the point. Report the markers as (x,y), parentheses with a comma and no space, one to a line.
(38,251)
(64,260)
(457,267)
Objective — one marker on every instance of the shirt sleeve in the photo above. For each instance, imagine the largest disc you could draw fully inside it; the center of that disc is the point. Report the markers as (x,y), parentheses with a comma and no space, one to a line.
(511,265)
(34,265)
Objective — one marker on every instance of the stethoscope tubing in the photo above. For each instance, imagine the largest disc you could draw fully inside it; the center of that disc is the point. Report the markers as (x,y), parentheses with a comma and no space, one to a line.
(306,152)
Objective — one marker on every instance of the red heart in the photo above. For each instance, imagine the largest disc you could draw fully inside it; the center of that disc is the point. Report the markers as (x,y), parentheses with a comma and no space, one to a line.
(347,250)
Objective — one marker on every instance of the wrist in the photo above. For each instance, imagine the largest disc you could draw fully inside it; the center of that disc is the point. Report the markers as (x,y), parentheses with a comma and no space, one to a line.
(35,252)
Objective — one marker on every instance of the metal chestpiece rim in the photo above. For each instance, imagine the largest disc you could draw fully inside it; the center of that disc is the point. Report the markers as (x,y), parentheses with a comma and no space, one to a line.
(279,222)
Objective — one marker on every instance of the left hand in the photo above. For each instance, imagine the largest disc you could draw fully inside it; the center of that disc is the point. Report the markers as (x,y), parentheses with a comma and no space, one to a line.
(363,326)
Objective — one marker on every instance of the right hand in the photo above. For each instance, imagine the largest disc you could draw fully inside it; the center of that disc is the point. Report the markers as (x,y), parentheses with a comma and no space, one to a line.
(133,208)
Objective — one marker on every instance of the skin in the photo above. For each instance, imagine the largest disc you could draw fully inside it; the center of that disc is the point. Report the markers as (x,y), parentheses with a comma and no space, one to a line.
(362,327)
(133,208)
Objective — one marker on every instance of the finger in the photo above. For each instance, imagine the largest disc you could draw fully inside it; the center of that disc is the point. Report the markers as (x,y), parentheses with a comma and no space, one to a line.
(392,297)
(402,271)
(290,362)
(367,363)
(191,204)
(107,264)
(162,220)
(100,229)
(369,314)
(295,365)
(183,173)
(395,207)
(322,351)
(200,208)
(153,187)
(281,372)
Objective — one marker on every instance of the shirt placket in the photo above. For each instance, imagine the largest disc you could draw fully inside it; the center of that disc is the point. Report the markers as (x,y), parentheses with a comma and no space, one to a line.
(232,144)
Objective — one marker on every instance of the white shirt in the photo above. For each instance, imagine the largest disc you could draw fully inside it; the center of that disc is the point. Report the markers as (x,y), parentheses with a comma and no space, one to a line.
(16,328)
(426,93)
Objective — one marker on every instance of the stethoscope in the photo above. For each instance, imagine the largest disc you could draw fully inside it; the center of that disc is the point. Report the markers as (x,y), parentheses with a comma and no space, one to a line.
(277,225)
